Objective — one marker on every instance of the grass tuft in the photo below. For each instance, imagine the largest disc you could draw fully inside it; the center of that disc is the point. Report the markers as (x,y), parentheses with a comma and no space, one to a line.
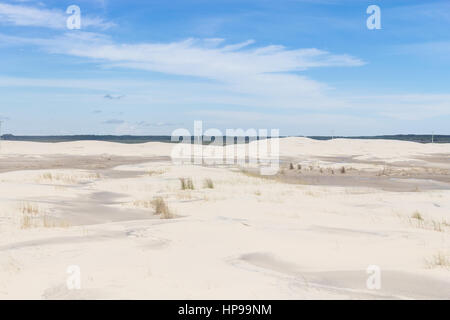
(186,184)
(161,208)
(417,215)
(208,183)
(35,217)
(439,260)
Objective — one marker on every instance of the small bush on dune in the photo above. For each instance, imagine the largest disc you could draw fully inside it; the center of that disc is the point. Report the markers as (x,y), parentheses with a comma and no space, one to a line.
(417,215)
(161,207)
(439,260)
(47,176)
(186,184)
(208,183)
(29,208)
(428,224)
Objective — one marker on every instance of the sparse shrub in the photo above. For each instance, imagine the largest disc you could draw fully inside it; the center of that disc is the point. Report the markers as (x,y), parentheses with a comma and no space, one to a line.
(26,222)
(343,170)
(417,215)
(29,208)
(439,260)
(48,222)
(47,176)
(437,226)
(208,183)
(67,178)
(429,224)
(155,172)
(34,217)
(291,166)
(186,184)
(142,203)
(161,207)
(299,167)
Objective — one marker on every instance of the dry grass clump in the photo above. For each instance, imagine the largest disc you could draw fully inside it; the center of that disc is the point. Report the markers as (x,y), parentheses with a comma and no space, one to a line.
(208,183)
(343,170)
(277,178)
(44,221)
(66,178)
(291,166)
(186,184)
(49,222)
(47,176)
(160,206)
(299,167)
(184,195)
(312,193)
(418,220)
(417,215)
(143,204)
(439,260)
(155,172)
(34,217)
(29,208)
(27,222)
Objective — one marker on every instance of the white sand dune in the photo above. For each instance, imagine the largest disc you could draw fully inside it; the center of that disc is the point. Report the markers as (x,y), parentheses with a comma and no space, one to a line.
(303,234)
(293,146)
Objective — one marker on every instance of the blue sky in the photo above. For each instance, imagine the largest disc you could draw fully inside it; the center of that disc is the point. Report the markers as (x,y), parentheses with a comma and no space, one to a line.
(148,67)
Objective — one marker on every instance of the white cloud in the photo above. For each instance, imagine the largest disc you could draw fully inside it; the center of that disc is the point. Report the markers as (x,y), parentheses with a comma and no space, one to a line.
(28,16)
(192,57)
(258,76)
(240,74)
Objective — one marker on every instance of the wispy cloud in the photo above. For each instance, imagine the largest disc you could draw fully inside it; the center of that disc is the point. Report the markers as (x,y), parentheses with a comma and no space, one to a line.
(113,97)
(267,75)
(196,57)
(113,121)
(158,124)
(139,127)
(29,16)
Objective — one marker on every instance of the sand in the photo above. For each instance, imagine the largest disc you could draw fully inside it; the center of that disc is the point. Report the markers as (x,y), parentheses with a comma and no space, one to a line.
(310,232)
